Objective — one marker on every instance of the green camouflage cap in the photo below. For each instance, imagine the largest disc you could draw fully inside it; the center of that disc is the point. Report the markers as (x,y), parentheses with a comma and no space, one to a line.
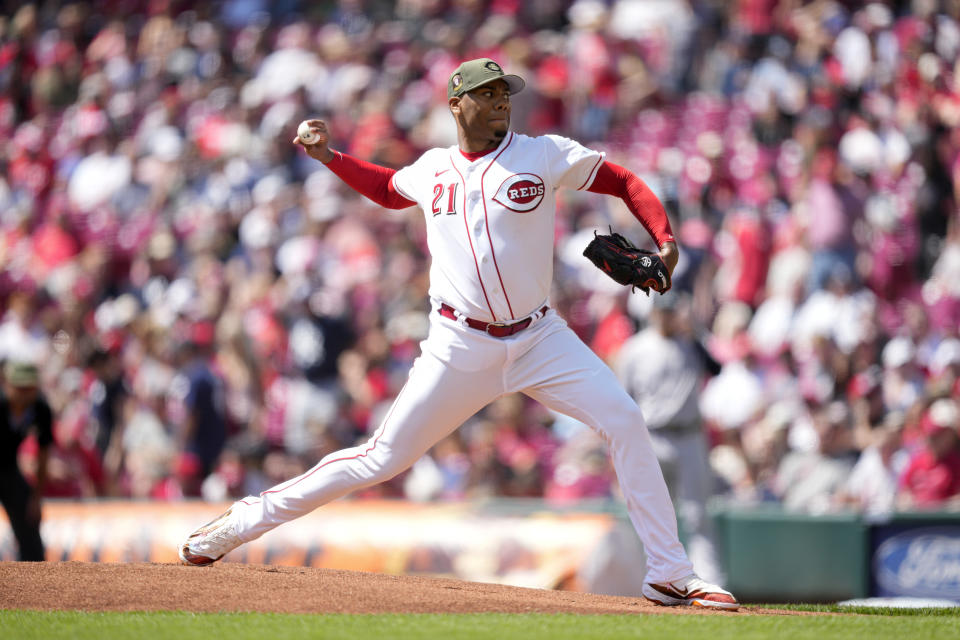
(21,374)
(476,73)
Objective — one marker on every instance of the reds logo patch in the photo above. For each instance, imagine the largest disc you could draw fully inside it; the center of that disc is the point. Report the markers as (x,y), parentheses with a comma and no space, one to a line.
(521,192)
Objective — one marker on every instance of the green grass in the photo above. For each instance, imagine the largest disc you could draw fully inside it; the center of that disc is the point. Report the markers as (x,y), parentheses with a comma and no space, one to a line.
(876,611)
(28,625)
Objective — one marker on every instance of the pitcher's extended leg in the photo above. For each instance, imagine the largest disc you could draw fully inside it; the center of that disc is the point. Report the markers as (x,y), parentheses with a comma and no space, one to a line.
(561,372)
(435,400)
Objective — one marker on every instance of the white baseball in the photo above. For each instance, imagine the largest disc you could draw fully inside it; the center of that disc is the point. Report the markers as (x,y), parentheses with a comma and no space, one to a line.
(306,134)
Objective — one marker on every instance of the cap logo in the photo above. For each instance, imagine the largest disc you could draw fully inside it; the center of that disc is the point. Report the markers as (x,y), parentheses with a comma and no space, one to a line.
(493,66)
(457,81)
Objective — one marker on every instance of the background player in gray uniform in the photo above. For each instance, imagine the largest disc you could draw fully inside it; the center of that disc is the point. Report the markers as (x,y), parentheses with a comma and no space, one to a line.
(489,204)
(663,367)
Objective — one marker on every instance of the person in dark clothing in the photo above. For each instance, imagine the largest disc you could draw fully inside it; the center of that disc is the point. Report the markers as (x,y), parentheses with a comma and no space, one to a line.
(107,396)
(22,408)
(201,391)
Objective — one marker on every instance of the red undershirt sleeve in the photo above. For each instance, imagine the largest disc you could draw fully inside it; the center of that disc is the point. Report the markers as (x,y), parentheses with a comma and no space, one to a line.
(370,180)
(614,180)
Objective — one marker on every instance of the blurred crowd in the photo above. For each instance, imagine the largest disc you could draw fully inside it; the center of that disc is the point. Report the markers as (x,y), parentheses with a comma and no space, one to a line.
(213,311)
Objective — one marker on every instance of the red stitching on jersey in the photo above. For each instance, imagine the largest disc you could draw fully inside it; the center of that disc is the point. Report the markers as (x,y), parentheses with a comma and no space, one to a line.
(599,160)
(372,446)
(470,239)
(486,221)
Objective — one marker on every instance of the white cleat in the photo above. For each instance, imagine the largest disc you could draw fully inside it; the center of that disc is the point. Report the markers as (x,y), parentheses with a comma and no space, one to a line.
(690,591)
(211,542)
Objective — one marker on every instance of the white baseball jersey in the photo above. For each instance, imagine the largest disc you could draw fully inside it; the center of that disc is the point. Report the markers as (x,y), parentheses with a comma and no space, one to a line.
(490,222)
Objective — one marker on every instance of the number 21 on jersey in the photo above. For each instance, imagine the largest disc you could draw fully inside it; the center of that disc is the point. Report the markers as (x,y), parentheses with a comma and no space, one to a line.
(438,191)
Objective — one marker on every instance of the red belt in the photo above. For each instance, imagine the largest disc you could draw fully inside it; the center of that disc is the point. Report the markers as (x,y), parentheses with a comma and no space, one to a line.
(495,329)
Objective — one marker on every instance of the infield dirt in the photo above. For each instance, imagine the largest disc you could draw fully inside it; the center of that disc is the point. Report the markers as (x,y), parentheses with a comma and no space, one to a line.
(240,587)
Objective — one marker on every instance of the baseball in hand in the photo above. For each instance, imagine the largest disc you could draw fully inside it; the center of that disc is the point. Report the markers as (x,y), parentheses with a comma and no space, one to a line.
(306,134)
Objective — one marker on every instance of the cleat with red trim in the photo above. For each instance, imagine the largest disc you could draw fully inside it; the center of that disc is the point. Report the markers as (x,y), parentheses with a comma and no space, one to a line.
(690,591)
(211,542)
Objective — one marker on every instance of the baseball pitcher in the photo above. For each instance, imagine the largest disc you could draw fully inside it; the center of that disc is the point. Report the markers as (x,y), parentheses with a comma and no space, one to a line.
(489,204)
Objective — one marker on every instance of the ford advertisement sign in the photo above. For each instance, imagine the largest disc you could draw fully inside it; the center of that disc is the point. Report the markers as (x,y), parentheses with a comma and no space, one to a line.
(919,563)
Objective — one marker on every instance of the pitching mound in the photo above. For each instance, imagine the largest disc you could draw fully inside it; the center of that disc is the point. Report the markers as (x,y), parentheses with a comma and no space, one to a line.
(236,587)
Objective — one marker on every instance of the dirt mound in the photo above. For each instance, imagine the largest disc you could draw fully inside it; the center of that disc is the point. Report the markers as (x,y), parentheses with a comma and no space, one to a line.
(238,587)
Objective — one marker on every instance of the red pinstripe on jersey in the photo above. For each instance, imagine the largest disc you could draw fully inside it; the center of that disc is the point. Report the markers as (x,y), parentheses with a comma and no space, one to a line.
(594,168)
(470,239)
(486,221)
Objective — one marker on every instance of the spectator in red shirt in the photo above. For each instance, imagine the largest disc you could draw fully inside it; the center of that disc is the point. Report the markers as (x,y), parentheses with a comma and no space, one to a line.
(932,476)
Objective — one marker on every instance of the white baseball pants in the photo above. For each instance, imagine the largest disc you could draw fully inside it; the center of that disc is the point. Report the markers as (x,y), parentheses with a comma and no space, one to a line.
(684,457)
(460,371)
